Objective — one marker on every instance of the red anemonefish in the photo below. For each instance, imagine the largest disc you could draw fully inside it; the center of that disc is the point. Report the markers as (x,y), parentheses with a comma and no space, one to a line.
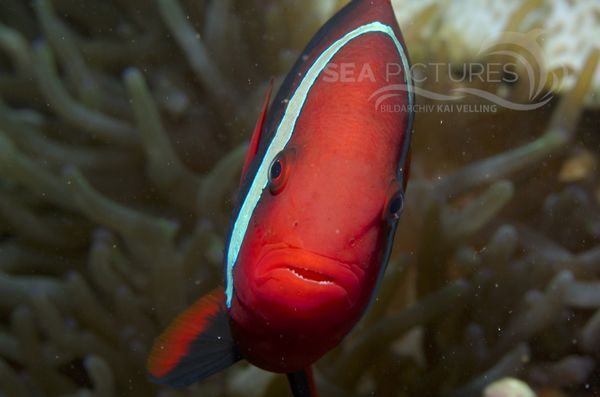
(322,190)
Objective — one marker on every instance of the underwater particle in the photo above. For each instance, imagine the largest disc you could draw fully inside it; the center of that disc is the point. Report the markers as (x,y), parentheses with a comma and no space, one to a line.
(508,387)
(579,167)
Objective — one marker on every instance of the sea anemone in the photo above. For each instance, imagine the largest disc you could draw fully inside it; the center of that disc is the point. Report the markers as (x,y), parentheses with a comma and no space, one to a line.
(122,134)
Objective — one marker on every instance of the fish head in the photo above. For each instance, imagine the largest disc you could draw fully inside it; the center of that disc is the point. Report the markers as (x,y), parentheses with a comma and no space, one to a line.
(314,245)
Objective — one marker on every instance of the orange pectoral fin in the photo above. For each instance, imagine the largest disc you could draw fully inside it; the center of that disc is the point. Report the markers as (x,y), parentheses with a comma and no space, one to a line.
(197,344)
(260,123)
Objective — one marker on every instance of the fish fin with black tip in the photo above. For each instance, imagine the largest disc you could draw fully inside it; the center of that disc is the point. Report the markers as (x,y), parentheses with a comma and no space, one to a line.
(256,135)
(196,345)
(302,383)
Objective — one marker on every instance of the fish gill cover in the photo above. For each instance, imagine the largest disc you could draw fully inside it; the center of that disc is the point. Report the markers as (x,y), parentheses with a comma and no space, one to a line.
(123,128)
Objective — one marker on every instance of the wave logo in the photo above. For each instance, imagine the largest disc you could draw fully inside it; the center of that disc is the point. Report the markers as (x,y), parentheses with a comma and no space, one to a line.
(512,75)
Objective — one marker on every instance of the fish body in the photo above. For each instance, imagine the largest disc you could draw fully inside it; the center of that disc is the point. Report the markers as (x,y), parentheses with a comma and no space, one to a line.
(322,190)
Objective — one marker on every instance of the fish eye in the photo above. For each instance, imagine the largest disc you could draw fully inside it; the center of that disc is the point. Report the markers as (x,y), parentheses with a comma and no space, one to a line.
(276,169)
(396,205)
(278,173)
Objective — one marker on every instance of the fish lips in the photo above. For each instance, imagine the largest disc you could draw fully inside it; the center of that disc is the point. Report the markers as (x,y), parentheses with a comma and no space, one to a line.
(309,274)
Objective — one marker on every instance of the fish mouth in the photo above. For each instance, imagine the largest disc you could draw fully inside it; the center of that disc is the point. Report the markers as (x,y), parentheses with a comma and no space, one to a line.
(309,272)
(310,275)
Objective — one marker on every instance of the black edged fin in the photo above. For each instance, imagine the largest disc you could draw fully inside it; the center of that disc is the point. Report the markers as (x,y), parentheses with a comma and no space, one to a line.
(196,345)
